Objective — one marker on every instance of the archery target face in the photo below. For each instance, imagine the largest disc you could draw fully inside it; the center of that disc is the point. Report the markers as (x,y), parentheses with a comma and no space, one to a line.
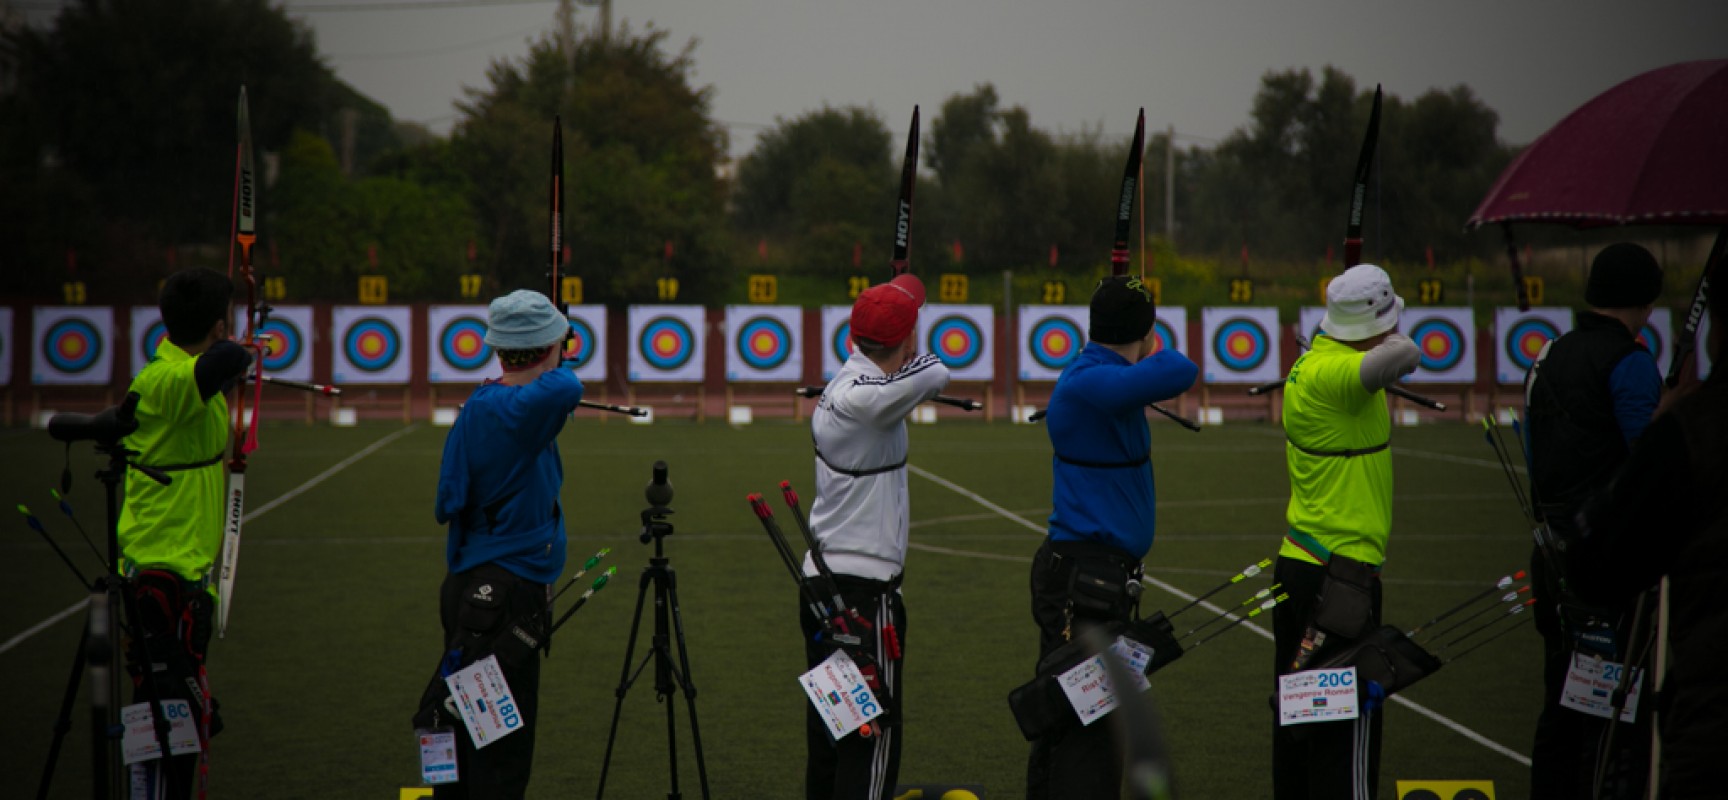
(579,348)
(71,345)
(764,343)
(958,335)
(371,344)
(1241,345)
(282,342)
(1054,342)
(667,343)
(462,344)
(1164,336)
(1655,337)
(1308,321)
(1521,336)
(841,342)
(1524,342)
(835,342)
(148,333)
(1441,344)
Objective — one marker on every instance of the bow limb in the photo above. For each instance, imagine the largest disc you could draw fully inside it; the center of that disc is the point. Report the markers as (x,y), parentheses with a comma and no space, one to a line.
(245,436)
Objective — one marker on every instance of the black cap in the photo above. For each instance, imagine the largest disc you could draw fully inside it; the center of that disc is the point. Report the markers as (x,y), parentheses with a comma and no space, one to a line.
(1623,275)
(1122,311)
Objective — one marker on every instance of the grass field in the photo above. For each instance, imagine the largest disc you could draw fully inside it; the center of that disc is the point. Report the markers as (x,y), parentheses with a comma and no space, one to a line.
(334,626)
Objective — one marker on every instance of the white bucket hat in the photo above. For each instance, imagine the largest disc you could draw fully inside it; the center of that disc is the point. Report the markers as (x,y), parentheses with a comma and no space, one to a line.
(1360,304)
(524,320)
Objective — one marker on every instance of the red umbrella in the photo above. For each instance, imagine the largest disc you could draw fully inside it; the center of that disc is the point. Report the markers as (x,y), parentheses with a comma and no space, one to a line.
(1650,151)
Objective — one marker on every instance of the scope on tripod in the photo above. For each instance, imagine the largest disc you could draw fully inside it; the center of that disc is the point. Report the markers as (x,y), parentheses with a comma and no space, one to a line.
(109,425)
(659,495)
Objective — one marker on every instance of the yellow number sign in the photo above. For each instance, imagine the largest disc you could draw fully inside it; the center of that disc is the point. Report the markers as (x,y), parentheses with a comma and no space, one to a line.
(856,285)
(275,288)
(374,290)
(470,285)
(952,289)
(1533,290)
(1432,292)
(75,293)
(668,288)
(570,290)
(1241,290)
(1055,293)
(764,288)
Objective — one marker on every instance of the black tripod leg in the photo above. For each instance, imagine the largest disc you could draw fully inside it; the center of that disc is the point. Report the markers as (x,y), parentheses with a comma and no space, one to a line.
(688,685)
(664,687)
(63,723)
(624,681)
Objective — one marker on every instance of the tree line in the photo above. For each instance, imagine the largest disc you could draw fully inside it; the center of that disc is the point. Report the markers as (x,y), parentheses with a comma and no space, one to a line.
(118,158)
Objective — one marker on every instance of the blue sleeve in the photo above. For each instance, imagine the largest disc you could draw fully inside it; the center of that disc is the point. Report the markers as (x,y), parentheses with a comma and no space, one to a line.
(1160,376)
(547,402)
(1635,385)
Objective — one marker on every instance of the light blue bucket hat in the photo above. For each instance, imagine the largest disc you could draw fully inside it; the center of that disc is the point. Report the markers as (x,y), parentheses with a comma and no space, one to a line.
(524,320)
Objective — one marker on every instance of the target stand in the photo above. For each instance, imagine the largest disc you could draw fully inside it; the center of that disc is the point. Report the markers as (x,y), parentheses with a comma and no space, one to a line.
(679,396)
(767,395)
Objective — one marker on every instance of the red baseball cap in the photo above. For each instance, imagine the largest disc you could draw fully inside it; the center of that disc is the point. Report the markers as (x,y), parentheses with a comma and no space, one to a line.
(886,313)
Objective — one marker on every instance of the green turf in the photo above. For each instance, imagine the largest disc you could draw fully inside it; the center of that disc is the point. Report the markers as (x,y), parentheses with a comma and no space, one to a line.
(334,624)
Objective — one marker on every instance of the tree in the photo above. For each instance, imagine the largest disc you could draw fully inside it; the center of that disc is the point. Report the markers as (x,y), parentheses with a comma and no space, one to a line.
(641,153)
(819,184)
(124,122)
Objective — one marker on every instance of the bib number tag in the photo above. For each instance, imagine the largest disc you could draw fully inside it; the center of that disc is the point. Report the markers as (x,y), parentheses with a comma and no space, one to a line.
(840,696)
(437,755)
(1318,695)
(1087,685)
(484,701)
(139,743)
(1590,685)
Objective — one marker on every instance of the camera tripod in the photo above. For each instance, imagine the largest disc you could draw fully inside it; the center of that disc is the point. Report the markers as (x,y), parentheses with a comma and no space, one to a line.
(668,621)
(98,649)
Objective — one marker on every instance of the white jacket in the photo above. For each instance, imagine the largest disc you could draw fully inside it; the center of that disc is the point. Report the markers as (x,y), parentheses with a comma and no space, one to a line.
(860,515)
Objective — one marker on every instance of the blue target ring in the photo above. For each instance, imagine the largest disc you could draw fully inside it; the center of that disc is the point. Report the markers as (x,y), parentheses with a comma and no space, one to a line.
(71,345)
(842,341)
(1055,342)
(1652,340)
(283,344)
(957,341)
(667,343)
(151,340)
(1240,345)
(764,343)
(1166,338)
(580,346)
(1440,342)
(1525,339)
(463,344)
(372,345)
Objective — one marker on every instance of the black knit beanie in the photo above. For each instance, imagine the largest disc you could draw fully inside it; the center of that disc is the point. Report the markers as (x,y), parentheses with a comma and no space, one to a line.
(1623,275)
(1122,311)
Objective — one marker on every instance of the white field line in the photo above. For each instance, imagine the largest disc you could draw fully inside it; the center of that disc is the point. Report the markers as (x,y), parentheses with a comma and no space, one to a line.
(1448,722)
(257,512)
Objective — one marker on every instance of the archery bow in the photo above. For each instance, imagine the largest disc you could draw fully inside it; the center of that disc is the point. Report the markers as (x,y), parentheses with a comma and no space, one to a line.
(554,270)
(902,261)
(1119,248)
(245,431)
(1359,188)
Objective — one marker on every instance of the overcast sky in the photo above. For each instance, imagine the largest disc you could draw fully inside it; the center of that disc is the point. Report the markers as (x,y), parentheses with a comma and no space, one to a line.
(1194,64)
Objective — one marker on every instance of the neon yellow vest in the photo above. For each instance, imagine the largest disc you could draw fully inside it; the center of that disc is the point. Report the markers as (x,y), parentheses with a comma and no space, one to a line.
(177,527)
(1338,504)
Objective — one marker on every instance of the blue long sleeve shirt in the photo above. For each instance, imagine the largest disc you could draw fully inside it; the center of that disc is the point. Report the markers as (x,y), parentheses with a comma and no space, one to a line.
(499,481)
(1097,425)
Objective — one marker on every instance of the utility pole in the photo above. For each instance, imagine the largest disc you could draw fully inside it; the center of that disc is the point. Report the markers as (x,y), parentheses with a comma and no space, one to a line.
(1170,187)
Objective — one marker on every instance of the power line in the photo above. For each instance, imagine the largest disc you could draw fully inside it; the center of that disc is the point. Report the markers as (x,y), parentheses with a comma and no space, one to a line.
(433,51)
(403,5)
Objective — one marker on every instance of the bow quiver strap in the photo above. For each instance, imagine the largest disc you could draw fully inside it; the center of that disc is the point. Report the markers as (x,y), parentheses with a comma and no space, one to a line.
(1040,705)
(1346,606)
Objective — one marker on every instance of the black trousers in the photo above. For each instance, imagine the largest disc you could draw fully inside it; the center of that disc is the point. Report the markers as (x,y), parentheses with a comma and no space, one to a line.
(858,768)
(175,616)
(1567,751)
(1322,760)
(473,605)
(1076,761)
